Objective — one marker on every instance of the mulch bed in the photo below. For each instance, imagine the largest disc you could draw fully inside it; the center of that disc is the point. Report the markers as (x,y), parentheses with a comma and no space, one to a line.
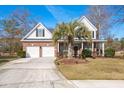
(72,61)
(119,57)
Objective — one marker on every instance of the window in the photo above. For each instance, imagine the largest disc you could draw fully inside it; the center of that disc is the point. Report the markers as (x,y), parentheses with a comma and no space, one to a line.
(93,34)
(40,32)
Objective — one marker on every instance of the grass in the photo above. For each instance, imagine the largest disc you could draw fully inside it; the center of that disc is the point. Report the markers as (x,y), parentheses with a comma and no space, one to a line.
(119,54)
(5,59)
(95,69)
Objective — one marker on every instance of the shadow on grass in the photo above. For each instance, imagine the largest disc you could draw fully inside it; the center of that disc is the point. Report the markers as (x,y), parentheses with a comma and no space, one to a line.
(4,60)
(7,57)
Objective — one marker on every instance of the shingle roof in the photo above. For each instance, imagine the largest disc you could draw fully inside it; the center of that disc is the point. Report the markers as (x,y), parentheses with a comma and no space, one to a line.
(50,29)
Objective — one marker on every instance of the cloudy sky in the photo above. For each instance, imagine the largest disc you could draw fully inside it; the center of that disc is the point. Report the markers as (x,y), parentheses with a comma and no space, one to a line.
(51,15)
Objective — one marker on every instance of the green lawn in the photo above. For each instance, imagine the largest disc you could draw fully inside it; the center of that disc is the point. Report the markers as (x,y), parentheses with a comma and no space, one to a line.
(95,69)
(4,60)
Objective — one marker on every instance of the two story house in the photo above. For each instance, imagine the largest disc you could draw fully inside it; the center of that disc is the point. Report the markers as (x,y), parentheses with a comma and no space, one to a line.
(38,42)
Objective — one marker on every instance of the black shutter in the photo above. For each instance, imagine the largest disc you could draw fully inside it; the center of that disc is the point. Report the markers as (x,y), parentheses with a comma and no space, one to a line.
(43,33)
(93,34)
(36,32)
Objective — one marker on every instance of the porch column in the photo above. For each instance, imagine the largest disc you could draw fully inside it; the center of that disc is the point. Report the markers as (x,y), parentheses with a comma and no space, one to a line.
(58,47)
(92,47)
(99,48)
(103,48)
(82,46)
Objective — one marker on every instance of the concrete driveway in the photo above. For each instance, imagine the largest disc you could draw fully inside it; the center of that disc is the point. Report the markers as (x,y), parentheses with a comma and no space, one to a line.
(42,73)
(37,72)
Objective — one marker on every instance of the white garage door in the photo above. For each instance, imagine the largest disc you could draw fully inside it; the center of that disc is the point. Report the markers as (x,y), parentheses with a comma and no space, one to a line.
(33,52)
(47,51)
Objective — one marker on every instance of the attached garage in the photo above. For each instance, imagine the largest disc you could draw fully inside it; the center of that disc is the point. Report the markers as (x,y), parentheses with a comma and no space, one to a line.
(33,52)
(48,52)
(38,42)
(36,51)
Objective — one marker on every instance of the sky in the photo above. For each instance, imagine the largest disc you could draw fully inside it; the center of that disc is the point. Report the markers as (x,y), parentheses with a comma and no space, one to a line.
(51,15)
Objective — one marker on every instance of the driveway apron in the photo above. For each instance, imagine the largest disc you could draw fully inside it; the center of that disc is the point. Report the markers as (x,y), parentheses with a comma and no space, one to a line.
(29,73)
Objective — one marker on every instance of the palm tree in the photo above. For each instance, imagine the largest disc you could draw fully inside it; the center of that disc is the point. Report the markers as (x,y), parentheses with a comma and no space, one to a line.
(69,31)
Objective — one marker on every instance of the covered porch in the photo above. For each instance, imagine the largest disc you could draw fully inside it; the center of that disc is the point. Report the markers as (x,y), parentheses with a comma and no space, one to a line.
(96,46)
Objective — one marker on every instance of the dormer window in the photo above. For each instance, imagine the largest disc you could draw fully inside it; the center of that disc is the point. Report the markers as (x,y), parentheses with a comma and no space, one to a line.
(40,32)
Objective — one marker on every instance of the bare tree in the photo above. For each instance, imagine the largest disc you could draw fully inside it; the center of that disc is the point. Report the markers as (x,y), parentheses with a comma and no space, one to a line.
(16,25)
(12,31)
(119,20)
(118,14)
(24,20)
(100,16)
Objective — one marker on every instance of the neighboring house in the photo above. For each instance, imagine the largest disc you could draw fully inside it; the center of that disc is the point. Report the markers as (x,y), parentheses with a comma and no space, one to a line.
(38,42)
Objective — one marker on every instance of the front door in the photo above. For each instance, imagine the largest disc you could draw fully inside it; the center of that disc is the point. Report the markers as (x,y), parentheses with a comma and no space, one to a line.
(75,51)
(76,48)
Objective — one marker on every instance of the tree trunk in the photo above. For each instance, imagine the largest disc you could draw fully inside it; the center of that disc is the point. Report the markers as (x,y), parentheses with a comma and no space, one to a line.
(69,51)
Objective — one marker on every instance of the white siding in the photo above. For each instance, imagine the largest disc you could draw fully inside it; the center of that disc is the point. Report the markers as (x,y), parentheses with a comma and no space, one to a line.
(88,24)
(33,35)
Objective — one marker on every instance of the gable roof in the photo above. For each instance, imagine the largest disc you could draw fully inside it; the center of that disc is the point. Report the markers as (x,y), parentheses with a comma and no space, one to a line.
(85,18)
(51,30)
(31,31)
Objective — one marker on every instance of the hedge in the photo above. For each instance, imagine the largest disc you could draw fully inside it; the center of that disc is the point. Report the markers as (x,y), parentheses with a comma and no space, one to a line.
(86,53)
(109,52)
(21,54)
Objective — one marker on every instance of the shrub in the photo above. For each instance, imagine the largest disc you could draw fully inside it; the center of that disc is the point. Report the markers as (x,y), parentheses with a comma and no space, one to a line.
(86,53)
(109,52)
(83,56)
(21,54)
(65,53)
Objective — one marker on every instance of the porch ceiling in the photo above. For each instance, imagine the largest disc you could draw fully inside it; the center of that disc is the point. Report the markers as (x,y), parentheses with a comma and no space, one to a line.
(86,40)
